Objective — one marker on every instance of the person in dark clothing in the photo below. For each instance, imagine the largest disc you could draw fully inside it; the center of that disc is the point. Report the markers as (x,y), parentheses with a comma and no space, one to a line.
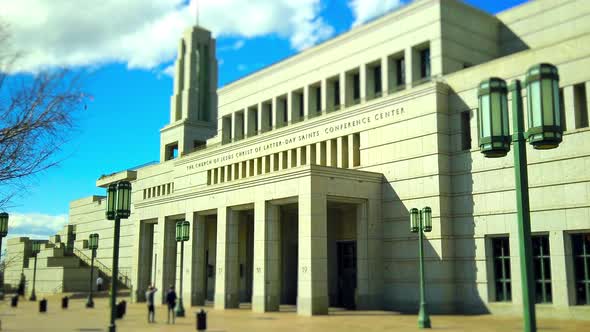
(149,298)
(21,285)
(171,300)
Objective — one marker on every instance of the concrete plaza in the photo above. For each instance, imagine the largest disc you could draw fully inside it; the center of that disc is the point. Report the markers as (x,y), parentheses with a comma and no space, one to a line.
(77,318)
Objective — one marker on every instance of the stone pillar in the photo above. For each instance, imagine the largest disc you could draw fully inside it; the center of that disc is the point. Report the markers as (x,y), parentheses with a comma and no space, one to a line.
(324,96)
(228,274)
(301,155)
(351,152)
(409,62)
(343,94)
(363,82)
(384,76)
(559,278)
(570,112)
(342,151)
(312,283)
(199,273)
(305,102)
(187,287)
(289,108)
(275,113)
(267,257)
(166,264)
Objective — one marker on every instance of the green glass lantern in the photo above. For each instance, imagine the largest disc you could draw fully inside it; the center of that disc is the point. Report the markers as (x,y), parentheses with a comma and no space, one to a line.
(123,199)
(545,130)
(414,220)
(93,241)
(494,135)
(3,224)
(427,219)
(179,231)
(35,247)
(185,230)
(111,201)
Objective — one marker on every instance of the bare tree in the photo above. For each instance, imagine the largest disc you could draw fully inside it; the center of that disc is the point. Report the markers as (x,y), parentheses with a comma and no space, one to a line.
(36,118)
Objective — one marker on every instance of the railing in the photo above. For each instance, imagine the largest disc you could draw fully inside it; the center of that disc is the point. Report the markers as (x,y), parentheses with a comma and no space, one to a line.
(123,278)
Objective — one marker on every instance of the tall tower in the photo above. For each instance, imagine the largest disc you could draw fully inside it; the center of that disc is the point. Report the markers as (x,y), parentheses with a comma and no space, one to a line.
(193,109)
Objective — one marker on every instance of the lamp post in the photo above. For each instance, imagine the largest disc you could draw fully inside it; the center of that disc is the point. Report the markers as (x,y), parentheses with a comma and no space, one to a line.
(35,249)
(3,233)
(118,207)
(544,132)
(92,245)
(420,222)
(182,235)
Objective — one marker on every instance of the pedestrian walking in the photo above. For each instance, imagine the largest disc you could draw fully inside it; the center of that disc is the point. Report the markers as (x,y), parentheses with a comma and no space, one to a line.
(149,297)
(171,300)
(99,283)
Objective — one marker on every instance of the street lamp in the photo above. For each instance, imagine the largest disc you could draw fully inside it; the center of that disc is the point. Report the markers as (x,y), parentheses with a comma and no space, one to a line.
(118,207)
(182,235)
(92,245)
(35,249)
(3,233)
(544,132)
(420,222)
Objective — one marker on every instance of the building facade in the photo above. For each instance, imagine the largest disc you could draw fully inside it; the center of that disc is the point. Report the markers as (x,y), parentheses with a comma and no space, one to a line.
(297,180)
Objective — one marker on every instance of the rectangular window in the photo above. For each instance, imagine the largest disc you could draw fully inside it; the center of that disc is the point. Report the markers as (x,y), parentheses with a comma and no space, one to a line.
(581,255)
(300,96)
(501,257)
(377,78)
(542,269)
(356,87)
(400,68)
(337,93)
(285,110)
(466,130)
(581,105)
(425,63)
(318,99)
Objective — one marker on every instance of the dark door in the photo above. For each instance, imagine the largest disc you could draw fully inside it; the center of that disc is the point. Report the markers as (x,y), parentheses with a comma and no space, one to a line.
(346,274)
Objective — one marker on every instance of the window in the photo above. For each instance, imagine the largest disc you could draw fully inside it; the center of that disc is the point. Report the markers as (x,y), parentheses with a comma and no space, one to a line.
(581,105)
(542,268)
(285,110)
(318,99)
(581,255)
(356,87)
(377,79)
(269,115)
(171,151)
(501,258)
(466,130)
(425,63)
(400,68)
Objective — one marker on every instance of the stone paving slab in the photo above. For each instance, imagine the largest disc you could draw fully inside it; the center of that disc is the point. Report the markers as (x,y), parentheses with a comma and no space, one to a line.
(79,319)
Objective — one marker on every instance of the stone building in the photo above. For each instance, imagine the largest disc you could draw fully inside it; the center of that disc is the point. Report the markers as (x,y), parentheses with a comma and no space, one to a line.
(297,179)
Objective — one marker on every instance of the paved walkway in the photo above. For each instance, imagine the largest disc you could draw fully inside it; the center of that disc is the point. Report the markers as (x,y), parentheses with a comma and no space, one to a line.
(77,318)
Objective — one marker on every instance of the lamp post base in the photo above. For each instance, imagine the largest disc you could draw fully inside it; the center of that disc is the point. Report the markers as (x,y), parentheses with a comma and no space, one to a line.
(179,310)
(90,302)
(423,319)
(112,328)
(33,297)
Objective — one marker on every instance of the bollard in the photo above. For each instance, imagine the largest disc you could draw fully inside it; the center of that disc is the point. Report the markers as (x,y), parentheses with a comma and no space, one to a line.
(64,302)
(43,305)
(14,301)
(201,320)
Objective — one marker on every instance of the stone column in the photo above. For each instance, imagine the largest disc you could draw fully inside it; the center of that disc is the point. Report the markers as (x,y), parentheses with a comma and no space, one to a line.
(343,94)
(312,283)
(409,62)
(363,82)
(559,278)
(166,265)
(384,76)
(343,151)
(187,287)
(275,113)
(305,102)
(351,151)
(301,155)
(332,153)
(198,239)
(228,274)
(267,263)
(289,118)
(310,154)
(324,96)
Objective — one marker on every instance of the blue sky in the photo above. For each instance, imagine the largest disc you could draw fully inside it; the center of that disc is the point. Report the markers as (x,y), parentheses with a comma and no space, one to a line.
(126,63)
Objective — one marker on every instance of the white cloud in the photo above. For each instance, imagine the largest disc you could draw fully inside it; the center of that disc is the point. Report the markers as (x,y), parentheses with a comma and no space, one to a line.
(35,225)
(145,33)
(364,10)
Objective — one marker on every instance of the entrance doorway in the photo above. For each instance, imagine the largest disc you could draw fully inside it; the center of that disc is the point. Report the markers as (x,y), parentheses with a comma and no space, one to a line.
(346,253)
(342,254)
(289,253)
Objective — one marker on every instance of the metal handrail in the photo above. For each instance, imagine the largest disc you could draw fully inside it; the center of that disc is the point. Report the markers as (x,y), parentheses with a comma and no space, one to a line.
(123,278)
